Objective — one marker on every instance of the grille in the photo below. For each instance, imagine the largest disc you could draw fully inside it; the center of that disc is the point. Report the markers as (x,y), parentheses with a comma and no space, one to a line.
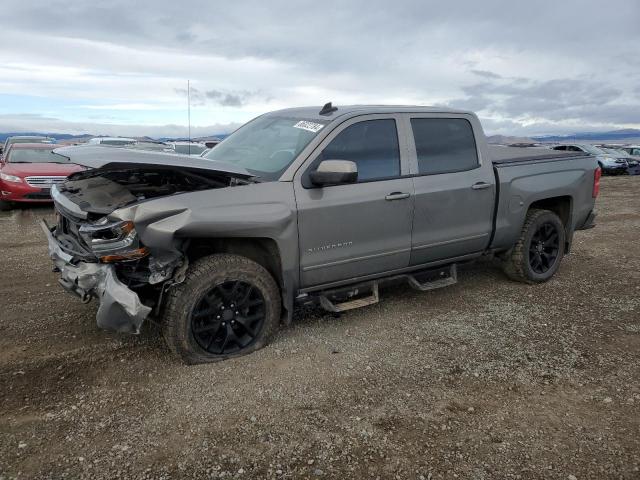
(44,182)
(38,196)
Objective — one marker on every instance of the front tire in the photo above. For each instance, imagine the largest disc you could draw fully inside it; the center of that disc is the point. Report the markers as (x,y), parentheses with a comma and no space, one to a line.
(537,254)
(227,306)
(5,206)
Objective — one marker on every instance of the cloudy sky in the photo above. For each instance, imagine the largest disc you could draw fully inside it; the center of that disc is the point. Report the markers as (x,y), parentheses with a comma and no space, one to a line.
(111,68)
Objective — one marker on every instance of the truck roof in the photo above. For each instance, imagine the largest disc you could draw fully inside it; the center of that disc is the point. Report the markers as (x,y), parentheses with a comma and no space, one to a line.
(314,112)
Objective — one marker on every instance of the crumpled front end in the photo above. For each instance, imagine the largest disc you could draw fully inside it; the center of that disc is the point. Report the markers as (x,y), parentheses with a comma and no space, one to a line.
(120,309)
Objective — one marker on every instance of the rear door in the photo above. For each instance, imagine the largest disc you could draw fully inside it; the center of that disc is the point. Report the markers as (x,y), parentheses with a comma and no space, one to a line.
(454,191)
(353,230)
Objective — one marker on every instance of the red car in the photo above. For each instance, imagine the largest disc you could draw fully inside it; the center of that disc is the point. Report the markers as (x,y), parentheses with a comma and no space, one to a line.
(28,170)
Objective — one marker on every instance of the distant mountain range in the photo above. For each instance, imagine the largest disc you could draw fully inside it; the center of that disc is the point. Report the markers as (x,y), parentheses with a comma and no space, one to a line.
(83,137)
(57,136)
(625,135)
(629,135)
(507,140)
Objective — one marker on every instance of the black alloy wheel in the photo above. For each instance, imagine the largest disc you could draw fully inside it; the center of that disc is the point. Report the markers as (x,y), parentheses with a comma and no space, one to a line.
(228,317)
(538,252)
(544,248)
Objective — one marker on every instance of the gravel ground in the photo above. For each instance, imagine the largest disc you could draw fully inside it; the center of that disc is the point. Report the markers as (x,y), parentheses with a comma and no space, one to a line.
(485,379)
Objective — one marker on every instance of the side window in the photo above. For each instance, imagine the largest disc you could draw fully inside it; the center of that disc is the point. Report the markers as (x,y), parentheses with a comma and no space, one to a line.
(372,145)
(560,147)
(444,145)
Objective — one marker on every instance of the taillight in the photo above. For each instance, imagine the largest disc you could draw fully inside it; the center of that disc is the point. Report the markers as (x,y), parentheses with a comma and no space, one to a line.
(596,182)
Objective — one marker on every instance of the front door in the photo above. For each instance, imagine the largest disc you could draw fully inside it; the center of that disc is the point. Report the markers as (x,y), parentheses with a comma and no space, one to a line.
(353,230)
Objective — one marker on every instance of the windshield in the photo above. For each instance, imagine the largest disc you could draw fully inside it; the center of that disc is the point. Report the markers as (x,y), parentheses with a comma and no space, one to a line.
(190,149)
(616,153)
(36,155)
(592,150)
(267,145)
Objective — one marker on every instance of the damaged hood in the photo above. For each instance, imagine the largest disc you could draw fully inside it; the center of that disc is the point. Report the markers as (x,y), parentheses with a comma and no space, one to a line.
(118,177)
(121,158)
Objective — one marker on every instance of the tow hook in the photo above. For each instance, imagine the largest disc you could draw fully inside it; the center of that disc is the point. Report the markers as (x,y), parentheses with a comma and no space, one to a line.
(85,298)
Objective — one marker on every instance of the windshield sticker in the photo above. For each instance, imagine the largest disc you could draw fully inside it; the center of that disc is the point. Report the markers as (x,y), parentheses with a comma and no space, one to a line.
(310,126)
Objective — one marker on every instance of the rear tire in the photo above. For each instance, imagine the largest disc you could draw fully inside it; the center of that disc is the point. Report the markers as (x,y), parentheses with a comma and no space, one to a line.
(537,254)
(227,306)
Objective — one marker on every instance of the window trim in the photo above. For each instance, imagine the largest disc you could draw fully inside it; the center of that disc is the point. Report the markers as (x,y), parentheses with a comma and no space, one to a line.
(307,167)
(413,151)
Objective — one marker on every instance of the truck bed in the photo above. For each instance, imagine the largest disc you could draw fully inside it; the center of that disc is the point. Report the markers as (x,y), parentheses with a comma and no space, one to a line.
(528,175)
(507,155)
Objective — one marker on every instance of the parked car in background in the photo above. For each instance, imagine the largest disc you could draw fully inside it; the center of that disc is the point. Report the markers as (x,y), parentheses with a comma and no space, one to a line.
(211,143)
(186,148)
(150,146)
(633,162)
(29,170)
(112,141)
(607,162)
(25,139)
(632,149)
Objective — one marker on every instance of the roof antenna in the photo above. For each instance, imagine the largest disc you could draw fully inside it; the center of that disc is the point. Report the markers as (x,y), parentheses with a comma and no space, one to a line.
(189,112)
(328,109)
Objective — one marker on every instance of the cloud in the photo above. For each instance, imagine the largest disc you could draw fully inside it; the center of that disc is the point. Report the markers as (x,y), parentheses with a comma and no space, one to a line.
(233,98)
(227,99)
(562,100)
(521,65)
(485,74)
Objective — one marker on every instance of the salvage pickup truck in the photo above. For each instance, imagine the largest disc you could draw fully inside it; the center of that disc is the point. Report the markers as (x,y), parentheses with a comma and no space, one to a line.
(306,205)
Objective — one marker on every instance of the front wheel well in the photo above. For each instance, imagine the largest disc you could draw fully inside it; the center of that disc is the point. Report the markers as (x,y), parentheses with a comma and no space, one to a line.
(263,251)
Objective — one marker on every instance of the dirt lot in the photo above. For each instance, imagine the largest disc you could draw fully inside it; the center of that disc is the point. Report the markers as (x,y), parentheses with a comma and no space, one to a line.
(486,379)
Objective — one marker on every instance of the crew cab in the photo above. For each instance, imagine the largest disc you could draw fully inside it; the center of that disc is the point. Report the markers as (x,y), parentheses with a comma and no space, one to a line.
(307,205)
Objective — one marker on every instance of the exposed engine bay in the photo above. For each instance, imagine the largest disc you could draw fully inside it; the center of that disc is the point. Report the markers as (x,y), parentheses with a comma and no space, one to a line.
(100,192)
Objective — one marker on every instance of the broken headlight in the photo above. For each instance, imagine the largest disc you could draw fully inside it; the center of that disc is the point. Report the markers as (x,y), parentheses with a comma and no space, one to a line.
(113,241)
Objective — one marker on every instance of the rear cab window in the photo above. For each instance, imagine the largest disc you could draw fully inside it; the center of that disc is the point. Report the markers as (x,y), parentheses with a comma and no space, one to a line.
(444,145)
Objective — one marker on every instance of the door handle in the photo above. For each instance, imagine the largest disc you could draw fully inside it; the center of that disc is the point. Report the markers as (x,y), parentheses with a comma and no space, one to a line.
(397,196)
(480,185)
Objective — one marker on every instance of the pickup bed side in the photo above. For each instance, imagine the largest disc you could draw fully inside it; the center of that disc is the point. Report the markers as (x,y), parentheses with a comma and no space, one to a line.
(562,184)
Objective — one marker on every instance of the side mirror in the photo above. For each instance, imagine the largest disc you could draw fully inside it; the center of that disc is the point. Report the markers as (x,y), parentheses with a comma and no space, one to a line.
(334,172)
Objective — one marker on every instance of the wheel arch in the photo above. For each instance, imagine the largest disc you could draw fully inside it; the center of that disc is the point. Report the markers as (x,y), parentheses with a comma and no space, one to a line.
(561,206)
(262,250)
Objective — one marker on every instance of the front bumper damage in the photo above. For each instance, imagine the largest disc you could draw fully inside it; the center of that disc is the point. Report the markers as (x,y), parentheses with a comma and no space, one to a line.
(120,308)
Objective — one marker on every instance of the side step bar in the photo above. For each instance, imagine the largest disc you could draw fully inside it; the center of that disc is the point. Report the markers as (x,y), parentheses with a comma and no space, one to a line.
(425,280)
(350,297)
(330,306)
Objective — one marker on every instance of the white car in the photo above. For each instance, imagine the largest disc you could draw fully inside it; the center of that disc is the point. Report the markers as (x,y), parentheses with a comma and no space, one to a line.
(112,141)
(186,148)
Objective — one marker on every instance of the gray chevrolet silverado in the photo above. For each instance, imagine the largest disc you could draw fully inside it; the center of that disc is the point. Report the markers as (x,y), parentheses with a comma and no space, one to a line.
(306,205)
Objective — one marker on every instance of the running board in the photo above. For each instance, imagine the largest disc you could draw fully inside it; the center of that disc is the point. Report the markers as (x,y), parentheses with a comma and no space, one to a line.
(372,299)
(350,297)
(432,279)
